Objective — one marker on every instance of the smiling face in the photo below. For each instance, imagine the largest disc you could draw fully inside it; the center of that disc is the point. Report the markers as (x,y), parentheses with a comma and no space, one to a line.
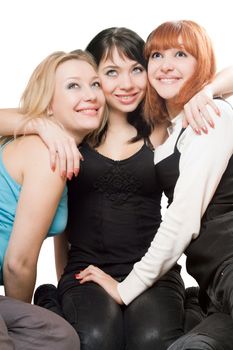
(169,70)
(123,82)
(78,100)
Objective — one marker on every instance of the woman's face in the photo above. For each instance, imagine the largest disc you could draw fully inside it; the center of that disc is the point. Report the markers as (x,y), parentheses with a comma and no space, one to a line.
(78,100)
(169,70)
(123,82)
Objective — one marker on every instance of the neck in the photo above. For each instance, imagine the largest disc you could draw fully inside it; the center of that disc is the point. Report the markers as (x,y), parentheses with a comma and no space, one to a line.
(79,136)
(117,119)
(173,111)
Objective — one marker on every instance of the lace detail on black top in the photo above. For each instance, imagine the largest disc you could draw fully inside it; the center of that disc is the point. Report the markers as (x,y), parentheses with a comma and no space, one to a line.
(117,184)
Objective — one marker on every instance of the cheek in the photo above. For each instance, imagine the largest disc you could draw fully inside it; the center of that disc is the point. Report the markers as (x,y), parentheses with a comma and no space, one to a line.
(142,83)
(150,72)
(101,98)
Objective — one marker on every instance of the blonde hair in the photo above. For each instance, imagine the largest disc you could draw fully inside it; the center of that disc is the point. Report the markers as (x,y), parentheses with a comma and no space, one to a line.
(38,94)
(195,41)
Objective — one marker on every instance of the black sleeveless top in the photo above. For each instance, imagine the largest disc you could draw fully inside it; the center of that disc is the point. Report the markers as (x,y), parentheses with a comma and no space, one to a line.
(114,211)
(214,245)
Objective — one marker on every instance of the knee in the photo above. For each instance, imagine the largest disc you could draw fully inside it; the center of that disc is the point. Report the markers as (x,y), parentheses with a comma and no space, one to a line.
(149,339)
(101,338)
(65,335)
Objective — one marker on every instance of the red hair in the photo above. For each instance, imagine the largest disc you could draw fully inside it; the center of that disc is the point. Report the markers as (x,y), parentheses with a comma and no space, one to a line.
(196,42)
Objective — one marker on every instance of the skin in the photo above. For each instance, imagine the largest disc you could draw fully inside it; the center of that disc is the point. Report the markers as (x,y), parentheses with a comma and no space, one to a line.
(27,161)
(168,71)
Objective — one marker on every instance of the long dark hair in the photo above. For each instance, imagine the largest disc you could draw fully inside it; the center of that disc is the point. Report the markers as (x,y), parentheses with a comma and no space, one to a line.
(131,45)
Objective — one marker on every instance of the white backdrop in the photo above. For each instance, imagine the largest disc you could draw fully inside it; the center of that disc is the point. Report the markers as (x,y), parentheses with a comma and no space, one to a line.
(31,29)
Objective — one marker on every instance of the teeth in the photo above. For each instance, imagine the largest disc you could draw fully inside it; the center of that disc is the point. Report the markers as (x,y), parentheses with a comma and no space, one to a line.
(125,97)
(168,80)
(87,110)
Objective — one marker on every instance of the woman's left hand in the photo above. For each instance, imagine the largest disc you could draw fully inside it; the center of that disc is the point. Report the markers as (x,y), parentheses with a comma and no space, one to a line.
(94,274)
(196,111)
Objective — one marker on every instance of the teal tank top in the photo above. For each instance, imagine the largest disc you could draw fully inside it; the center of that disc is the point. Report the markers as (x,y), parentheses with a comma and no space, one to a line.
(9,194)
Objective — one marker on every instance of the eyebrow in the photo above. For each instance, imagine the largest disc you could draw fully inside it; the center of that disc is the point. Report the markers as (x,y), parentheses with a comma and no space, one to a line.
(79,78)
(111,66)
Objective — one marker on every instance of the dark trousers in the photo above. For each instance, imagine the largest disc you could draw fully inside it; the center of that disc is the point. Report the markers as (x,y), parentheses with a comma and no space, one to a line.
(215,332)
(152,321)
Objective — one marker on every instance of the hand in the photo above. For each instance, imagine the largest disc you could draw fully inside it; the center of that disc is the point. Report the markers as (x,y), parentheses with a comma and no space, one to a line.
(61,145)
(196,112)
(94,274)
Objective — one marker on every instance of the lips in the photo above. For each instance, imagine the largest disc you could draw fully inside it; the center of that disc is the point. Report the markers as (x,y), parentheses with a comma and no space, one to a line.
(168,80)
(127,98)
(88,110)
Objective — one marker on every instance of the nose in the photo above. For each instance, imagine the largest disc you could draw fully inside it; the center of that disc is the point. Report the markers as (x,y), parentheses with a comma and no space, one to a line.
(167,64)
(126,81)
(89,94)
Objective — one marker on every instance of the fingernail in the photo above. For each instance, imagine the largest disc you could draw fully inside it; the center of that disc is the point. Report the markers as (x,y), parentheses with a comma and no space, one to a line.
(197,131)
(205,130)
(76,171)
(77,276)
(211,123)
(69,176)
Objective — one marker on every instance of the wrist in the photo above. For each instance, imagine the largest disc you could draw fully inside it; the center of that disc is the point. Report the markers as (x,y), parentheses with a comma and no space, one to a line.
(209,90)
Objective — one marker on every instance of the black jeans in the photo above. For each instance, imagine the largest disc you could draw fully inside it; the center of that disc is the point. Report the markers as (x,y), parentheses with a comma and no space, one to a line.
(215,332)
(152,321)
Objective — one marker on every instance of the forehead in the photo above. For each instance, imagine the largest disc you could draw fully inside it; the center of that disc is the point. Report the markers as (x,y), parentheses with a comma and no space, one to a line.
(116,56)
(75,68)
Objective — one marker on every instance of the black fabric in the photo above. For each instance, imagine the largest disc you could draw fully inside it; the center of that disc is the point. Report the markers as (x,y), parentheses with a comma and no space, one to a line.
(214,245)
(114,211)
(152,321)
(215,332)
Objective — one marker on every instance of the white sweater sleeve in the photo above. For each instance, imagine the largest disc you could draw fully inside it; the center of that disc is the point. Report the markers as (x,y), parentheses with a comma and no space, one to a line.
(202,163)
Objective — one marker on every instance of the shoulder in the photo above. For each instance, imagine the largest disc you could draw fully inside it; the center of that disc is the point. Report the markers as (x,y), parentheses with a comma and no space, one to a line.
(32,151)
(35,158)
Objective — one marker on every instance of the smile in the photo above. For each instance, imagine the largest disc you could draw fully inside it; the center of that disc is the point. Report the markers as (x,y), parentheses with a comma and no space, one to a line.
(127,99)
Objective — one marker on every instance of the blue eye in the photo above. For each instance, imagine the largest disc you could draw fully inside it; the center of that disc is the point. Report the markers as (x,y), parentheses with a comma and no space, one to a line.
(111,73)
(156,55)
(138,69)
(73,86)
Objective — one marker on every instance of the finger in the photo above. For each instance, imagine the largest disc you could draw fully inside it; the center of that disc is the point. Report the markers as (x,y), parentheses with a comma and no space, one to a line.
(190,118)
(76,157)
(62,159)
(90,278)
(207,117)
(52,156)
(212,104)
(199,120)
(69,160)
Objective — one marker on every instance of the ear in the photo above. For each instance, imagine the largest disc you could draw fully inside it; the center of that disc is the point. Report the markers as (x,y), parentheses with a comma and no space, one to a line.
(49,112)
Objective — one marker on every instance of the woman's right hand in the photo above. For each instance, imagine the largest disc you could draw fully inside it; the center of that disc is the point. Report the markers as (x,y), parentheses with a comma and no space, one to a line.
(94,274)
(62,147)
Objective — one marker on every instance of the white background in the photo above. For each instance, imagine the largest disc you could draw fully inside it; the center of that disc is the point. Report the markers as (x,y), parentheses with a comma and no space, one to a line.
(32,29)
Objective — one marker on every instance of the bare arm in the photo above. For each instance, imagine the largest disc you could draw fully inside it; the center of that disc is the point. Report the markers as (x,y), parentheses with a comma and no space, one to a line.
(61,248)
(196,111)
(222,85)
(39,197)
(62,147)
(10,121)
